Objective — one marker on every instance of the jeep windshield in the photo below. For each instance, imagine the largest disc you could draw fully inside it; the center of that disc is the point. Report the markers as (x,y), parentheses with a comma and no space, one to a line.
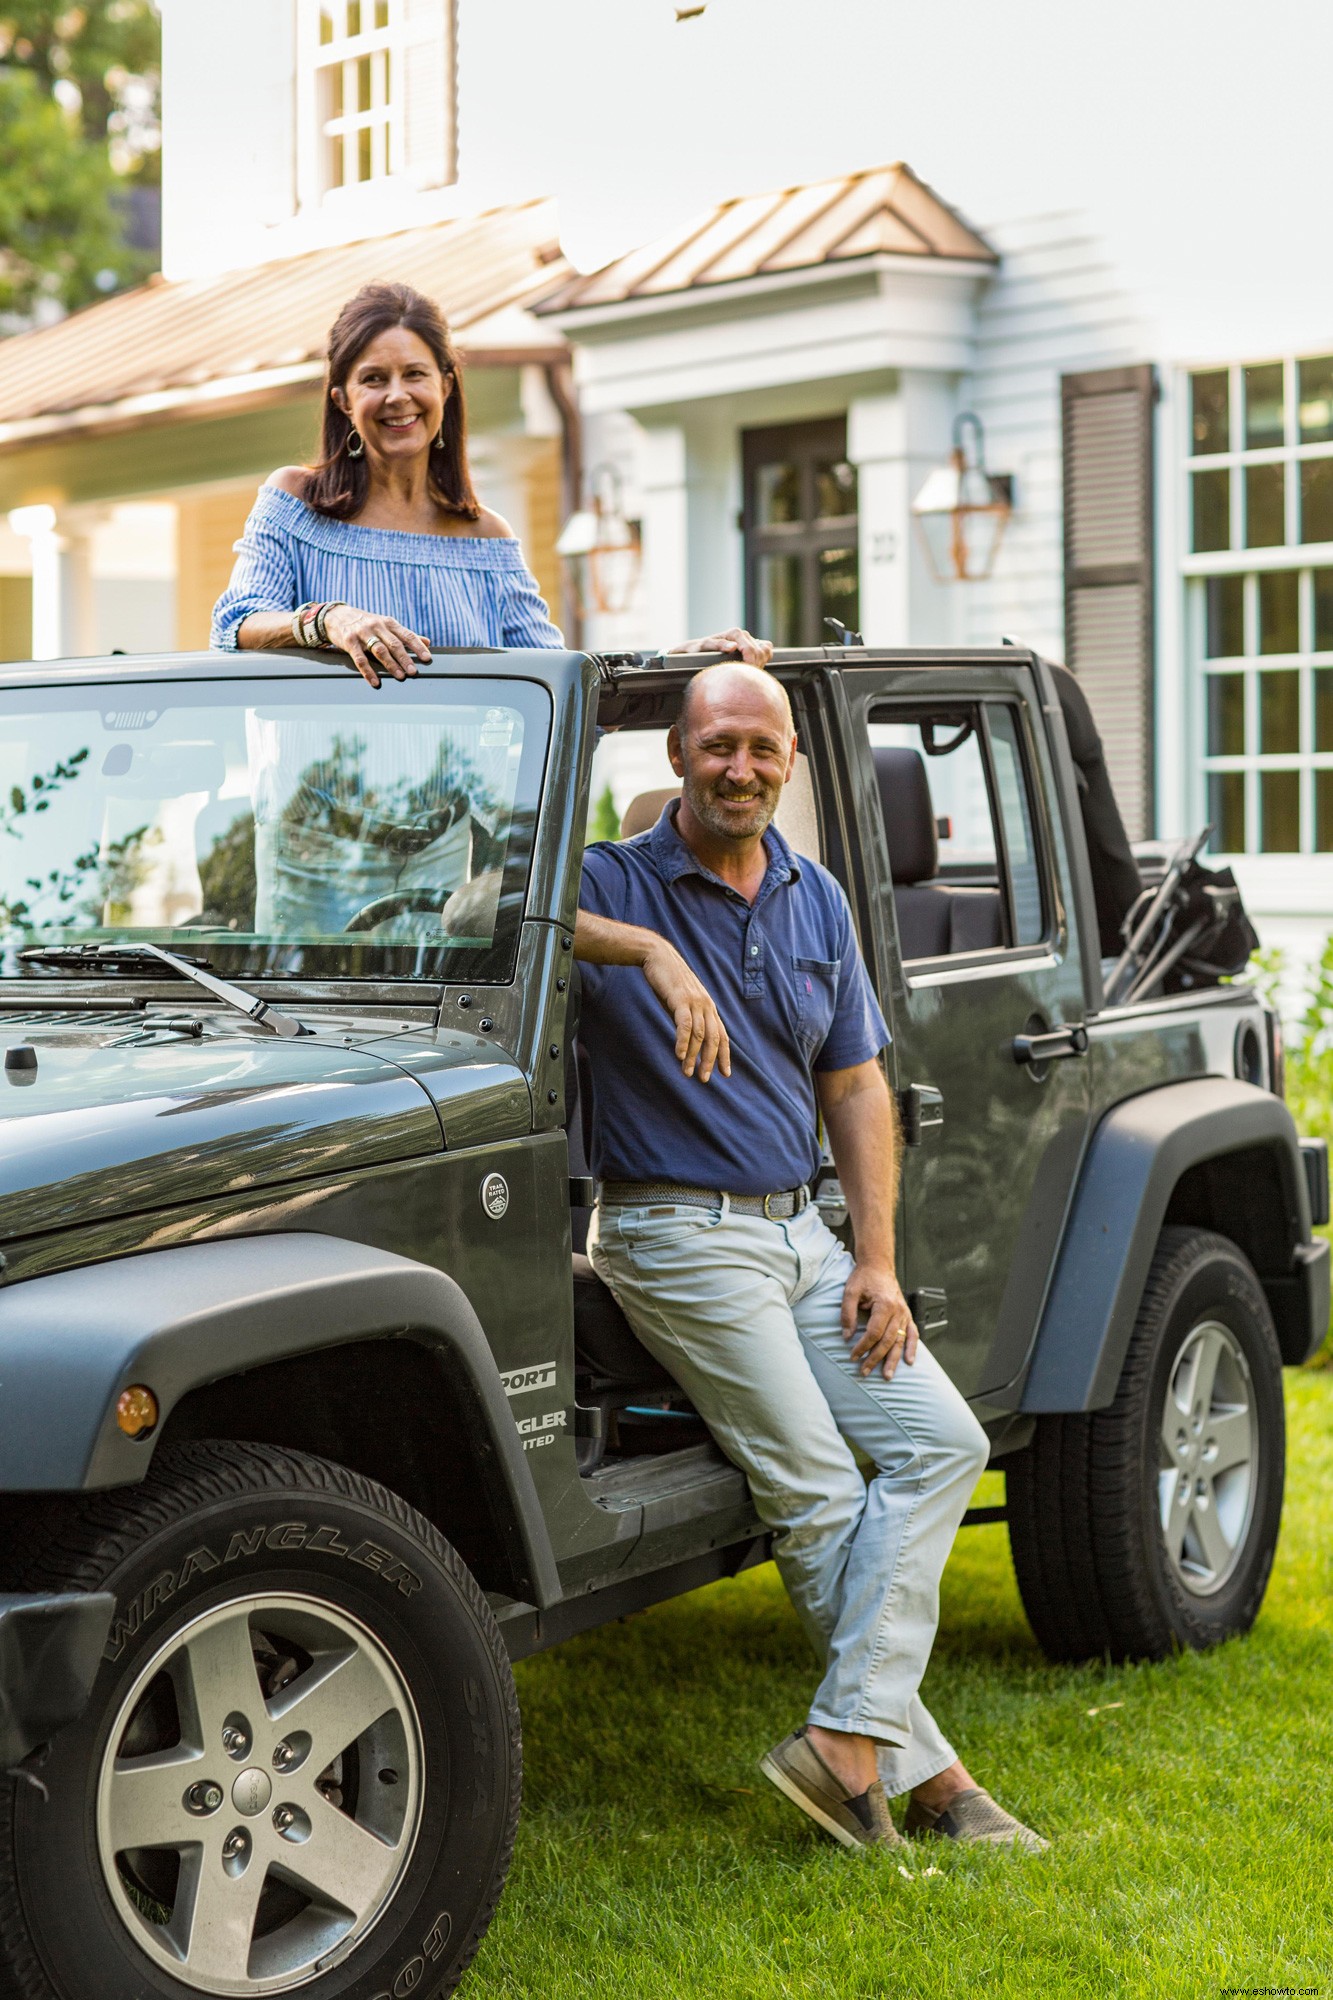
(289,829)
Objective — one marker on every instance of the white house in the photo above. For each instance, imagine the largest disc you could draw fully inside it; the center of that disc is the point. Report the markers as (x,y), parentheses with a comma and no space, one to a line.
(775,381)
(764,390)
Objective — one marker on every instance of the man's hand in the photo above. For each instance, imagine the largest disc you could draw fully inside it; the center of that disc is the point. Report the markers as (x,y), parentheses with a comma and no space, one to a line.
(889,1334)
(701,1039)
(700,1036)
(735,643)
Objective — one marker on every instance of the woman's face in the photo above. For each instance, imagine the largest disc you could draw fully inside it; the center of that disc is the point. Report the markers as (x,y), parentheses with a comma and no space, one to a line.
(395,396)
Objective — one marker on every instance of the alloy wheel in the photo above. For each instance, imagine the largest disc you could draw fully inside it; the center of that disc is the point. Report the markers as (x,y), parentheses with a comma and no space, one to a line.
(1208,1459)
(260,1795)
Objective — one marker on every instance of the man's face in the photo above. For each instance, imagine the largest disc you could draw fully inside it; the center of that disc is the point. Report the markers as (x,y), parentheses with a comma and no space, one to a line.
(734,749)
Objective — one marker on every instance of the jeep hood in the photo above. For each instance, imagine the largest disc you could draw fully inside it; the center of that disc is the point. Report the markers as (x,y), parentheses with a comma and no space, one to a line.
(111,1124)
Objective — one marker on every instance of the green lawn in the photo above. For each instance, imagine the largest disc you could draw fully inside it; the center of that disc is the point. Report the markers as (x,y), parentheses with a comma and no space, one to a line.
(1191,1812)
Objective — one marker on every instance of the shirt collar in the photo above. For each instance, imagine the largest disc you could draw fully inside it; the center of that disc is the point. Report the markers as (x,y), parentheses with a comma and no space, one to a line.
(672,857)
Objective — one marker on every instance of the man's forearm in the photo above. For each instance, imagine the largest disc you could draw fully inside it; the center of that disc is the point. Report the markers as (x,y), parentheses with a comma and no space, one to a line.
(863,1139)
(603,941)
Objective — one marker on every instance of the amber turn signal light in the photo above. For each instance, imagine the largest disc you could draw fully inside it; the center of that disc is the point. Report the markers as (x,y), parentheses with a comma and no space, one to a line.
(136,1410)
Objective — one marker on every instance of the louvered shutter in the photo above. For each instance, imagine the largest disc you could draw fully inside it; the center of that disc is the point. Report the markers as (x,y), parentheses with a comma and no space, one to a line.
(1107,431)
(429,108)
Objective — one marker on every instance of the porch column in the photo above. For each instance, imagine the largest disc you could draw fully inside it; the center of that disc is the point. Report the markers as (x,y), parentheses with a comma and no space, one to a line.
(64,613)
(894,440)
(665,533)
(37,527)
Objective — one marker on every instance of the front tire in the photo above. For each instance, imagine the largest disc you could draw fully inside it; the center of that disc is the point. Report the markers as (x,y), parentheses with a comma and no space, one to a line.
(299,1770)
(1152,1525)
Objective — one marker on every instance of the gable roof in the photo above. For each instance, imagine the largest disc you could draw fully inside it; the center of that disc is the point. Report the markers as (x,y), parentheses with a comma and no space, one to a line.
(250,334)
(884,211)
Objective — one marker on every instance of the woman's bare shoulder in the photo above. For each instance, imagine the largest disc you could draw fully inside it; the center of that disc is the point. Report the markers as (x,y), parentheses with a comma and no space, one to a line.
(490,524)
(291,479)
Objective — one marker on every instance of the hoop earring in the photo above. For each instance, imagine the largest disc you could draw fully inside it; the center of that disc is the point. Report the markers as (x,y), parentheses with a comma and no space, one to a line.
(356,445)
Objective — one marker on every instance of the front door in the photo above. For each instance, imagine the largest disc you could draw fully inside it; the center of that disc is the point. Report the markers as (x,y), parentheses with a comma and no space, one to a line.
(979,949)
(800,526)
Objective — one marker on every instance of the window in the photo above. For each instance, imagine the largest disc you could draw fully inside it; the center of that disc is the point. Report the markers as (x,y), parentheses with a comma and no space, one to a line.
(377,94)
(962,838)
(276,826)
(800,523)
(1259,475)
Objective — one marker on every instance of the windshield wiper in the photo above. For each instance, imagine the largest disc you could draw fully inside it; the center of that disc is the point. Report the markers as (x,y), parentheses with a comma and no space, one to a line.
(117,957)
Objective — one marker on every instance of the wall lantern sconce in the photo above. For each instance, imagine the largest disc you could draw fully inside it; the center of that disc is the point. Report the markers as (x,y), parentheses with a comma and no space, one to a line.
(601,549)
(962,509)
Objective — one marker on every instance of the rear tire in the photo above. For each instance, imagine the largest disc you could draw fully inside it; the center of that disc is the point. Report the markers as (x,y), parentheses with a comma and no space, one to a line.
(299,1770)
(1152,1525)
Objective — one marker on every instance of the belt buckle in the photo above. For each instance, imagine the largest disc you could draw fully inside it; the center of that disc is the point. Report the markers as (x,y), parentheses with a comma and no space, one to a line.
(768,1213)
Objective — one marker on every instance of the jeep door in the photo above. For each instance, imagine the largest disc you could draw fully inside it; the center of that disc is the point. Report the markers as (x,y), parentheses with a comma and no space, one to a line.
(961,862)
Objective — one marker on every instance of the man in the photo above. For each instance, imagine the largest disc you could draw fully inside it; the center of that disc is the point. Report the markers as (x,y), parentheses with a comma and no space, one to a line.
(787,1346)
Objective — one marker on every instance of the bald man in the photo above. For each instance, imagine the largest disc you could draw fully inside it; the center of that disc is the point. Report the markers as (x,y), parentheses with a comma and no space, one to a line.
(791,1349)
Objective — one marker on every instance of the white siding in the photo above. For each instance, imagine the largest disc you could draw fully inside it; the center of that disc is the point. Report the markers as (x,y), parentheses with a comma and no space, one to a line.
(1055,306)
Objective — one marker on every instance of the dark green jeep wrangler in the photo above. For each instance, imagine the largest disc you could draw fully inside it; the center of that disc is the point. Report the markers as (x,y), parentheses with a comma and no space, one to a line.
(312,1418)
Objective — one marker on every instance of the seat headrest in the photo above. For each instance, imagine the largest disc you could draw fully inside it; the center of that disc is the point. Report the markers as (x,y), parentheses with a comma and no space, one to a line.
(909,816)
(645,810)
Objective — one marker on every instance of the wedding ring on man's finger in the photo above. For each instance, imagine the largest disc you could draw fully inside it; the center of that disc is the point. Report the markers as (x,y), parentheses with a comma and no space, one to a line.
(374,644)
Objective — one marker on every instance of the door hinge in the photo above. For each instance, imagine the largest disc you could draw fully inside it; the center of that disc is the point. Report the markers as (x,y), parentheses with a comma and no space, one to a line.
(930,1310)
(921,1108)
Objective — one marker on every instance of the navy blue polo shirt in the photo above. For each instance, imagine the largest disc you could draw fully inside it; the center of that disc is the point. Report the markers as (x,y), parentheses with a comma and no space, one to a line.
(791,987)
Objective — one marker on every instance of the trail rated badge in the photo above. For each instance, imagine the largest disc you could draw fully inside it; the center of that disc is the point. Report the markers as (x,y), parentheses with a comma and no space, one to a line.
(495,1195)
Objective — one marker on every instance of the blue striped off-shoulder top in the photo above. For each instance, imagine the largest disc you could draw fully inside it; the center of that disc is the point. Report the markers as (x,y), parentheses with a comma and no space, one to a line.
(456,590)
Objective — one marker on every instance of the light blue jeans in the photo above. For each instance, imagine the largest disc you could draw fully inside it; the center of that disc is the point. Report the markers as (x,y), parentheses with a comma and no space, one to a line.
(746,1315)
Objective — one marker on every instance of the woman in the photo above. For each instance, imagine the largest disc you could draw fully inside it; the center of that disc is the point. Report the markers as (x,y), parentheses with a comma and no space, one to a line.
(382,550)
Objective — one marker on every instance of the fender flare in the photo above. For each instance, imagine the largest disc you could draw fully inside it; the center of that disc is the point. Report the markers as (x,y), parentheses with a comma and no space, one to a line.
(179,1318)
(1135,1162)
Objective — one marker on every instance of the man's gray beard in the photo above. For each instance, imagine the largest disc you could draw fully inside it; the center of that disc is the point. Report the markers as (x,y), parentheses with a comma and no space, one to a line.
(703,807)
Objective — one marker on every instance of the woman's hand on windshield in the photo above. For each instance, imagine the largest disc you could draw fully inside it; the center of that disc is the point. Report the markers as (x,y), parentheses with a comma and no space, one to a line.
(375,644)
(735,643)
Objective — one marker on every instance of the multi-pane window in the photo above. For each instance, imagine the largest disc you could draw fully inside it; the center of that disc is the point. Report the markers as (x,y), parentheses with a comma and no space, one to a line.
(1260,480)
(800,520)
(377,93)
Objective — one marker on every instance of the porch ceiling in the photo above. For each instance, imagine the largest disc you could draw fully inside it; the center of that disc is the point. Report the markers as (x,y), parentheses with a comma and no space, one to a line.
(884,211)
(197,346)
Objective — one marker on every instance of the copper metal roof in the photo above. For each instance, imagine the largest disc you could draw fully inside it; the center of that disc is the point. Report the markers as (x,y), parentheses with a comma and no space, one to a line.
(883,211)
(251,333)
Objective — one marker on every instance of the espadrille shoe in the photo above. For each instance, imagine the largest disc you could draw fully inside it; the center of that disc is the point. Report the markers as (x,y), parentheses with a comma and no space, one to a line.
(973,1819)
(801,1775)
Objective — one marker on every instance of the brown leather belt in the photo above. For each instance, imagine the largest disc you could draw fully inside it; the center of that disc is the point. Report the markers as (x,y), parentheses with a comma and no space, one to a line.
(647,1194)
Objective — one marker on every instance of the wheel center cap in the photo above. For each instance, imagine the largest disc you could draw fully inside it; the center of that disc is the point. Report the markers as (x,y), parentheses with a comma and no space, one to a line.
(252,1791)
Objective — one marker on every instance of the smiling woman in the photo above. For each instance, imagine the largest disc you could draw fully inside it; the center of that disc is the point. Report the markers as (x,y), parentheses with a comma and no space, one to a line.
(382,550)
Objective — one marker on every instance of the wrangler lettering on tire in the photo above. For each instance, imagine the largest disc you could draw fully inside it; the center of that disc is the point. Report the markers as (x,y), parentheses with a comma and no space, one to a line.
(302,1740)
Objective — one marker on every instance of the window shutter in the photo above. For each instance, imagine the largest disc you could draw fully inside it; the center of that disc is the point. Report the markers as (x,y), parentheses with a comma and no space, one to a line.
(1107,434)
(429,105)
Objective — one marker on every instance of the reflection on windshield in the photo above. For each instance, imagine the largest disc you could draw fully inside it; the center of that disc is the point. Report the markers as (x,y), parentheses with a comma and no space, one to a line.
(291,834)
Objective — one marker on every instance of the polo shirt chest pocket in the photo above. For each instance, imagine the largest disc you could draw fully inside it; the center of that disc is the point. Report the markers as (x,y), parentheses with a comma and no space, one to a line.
(816,981)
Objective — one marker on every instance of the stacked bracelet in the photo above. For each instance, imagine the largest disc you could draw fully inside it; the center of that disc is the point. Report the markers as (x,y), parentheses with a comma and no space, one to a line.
(309,626)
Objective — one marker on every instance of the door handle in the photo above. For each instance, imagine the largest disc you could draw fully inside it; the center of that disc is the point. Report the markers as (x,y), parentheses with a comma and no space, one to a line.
(1053,1046)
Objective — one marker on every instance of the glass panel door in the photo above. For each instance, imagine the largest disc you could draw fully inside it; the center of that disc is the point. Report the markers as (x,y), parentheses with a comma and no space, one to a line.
(800,522)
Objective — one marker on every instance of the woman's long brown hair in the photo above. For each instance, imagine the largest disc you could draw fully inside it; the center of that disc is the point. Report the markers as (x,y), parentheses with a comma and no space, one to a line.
(338,483)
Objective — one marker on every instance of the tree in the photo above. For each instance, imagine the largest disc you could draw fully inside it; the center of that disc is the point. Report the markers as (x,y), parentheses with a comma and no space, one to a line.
(79,131)
(604,820)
